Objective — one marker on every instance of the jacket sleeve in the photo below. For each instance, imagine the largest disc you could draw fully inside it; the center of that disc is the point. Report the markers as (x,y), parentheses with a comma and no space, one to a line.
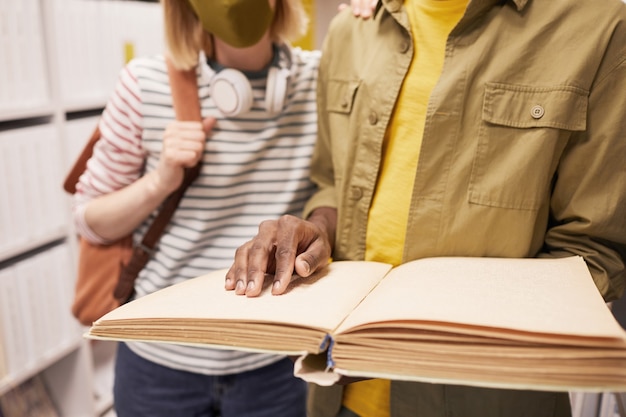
(588,203)
(322,170)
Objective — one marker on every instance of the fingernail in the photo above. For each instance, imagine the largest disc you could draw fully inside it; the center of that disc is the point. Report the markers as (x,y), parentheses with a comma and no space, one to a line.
(240,286)
(228,282)
(276,285)
(250,286)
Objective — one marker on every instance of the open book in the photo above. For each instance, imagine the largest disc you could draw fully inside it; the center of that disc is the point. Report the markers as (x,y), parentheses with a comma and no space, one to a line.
(492,322)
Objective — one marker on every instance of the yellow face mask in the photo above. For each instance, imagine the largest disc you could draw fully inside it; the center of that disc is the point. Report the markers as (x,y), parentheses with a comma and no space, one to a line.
(239,23)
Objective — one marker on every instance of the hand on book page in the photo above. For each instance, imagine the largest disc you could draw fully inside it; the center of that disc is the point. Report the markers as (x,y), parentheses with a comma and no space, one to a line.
(283,247)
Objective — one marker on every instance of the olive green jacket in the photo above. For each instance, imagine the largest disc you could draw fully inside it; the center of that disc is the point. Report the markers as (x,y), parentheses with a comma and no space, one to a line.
(525,138)
(524,147)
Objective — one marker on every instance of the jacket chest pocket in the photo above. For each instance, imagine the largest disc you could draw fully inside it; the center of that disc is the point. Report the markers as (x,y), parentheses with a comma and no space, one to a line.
(339,120)
(340,96)
(522,134)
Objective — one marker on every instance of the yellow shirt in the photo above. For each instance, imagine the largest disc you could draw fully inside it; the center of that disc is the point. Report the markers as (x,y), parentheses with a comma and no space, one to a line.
(431,22)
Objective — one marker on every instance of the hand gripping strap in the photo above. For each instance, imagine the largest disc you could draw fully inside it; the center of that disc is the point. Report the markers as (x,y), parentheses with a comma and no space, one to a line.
(184,89)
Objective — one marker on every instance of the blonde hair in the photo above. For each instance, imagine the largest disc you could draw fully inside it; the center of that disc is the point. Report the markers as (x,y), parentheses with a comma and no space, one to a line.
(185,37)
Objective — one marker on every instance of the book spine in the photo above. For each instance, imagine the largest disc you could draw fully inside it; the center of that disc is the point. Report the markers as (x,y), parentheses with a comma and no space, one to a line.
(330,363)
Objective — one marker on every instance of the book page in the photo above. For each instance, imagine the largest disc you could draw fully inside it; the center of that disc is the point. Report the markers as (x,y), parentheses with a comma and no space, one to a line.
(321,301)
(553,296)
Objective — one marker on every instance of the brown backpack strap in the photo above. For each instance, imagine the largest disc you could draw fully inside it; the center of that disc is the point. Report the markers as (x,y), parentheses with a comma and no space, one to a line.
(184,89)
(80,165)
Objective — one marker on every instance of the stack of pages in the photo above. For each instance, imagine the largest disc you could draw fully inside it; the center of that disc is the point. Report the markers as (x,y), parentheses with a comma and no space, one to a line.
(491,322)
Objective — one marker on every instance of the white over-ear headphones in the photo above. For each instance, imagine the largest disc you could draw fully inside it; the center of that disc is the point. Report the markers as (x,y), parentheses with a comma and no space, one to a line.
(232,93)
(276,89)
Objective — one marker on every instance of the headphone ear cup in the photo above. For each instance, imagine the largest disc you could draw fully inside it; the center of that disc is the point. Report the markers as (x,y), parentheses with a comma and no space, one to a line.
(231,92)
(276,90)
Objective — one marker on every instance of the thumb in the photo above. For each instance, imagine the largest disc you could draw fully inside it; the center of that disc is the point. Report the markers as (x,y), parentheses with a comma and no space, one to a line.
(314,258)
(207,124)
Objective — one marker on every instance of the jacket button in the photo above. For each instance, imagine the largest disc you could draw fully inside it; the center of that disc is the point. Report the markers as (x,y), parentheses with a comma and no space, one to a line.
(373,118)
(404,46)
(356,193)
(537,112)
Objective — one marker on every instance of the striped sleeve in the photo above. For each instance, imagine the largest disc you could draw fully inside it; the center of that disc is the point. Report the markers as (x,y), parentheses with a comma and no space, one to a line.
(118,157)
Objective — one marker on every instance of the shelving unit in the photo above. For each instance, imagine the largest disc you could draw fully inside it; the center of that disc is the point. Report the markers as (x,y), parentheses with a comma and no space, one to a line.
(60,60)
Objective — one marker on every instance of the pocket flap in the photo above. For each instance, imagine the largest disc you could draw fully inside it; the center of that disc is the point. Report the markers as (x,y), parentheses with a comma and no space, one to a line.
(340,95)
(522,106)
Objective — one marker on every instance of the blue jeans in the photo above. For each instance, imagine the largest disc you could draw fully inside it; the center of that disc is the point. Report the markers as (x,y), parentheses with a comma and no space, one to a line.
(143,388)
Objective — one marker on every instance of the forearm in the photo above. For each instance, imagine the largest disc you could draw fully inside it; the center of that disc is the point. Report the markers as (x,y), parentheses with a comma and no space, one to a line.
(114,215)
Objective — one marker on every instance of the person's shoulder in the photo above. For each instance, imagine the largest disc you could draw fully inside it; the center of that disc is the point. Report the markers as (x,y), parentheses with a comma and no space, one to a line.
(302,63)
(144,73)
(604,6)
(347,29)
(593,18)
(147,66)
(616,8)
(305,56)
(602,18)
(344,21)
(595,11)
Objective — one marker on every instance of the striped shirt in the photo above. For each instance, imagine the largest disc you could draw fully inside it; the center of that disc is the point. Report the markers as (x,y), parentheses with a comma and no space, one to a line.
(255,167)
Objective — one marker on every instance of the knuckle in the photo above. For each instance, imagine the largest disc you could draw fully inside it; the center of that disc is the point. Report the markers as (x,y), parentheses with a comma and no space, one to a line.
(287,219)
(285,252)
(241,250)
(258,246)
(266,225)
